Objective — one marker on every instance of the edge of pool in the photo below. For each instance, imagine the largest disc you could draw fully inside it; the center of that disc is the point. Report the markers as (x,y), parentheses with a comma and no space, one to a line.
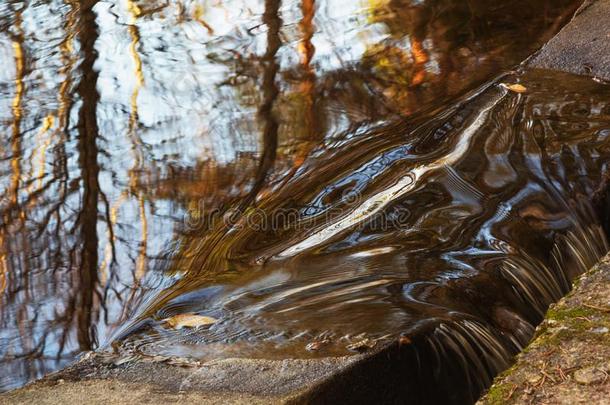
(581,47)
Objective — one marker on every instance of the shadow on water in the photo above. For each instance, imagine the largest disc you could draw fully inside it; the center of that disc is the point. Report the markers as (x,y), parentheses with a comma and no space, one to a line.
(334,173)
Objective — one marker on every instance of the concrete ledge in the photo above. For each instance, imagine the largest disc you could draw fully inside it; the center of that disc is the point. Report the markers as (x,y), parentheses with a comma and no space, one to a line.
(102,379)
(582,46)
(387,375)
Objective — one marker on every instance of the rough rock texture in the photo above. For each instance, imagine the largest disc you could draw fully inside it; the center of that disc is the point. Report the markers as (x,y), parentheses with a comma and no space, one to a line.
(582,46)
(98,379)
(384,375)
(569,360)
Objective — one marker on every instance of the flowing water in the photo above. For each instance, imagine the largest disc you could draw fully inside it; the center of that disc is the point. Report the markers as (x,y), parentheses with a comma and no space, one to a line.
(318,177)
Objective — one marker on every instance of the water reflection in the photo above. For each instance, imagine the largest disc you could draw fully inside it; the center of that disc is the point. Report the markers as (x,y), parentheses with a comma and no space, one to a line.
(120,119)
(480,213)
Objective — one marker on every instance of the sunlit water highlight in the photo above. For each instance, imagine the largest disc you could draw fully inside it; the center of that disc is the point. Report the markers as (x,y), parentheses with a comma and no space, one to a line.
(300,171)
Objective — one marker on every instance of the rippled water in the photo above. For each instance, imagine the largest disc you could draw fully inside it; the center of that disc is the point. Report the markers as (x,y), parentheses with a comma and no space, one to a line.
(480,213)
(302,172)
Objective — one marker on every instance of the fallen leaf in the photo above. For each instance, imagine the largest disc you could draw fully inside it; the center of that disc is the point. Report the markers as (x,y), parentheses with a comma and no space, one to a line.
(404,340)
(317,345)
(189,321)
(516,87)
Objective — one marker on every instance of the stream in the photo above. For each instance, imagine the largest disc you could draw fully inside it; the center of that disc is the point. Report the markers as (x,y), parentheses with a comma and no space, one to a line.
(307,178)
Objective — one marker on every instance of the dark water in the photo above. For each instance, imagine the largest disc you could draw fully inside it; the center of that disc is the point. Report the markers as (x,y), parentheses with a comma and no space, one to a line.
(332,172)
(460,226)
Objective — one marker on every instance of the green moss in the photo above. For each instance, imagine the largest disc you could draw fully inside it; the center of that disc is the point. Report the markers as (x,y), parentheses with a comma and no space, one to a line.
(501,389)
(497,394)
(576,282)
(569,322)
(569,314)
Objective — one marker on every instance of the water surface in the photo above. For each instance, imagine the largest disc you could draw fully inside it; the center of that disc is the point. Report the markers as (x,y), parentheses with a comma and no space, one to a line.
(142,141)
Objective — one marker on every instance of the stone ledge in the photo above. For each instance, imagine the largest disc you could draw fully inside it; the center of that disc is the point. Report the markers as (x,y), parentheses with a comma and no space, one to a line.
(582,46)
(103,379)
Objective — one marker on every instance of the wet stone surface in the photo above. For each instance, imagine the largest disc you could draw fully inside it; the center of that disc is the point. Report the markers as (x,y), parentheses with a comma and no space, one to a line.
(583,46)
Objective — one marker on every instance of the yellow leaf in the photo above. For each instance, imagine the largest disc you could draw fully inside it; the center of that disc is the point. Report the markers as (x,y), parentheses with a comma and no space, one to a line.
(189,321)
(516,87)
(198,12)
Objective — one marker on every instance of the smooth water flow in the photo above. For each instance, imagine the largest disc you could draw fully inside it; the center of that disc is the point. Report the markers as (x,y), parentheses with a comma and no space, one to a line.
(462,226)
(315,178)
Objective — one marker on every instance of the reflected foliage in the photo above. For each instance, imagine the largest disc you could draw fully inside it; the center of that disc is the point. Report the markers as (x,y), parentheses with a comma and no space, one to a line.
(119,119)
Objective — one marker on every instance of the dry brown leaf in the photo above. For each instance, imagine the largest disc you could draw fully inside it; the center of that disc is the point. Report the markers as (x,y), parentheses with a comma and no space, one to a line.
(189,321)
(516,87)
(317,345)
